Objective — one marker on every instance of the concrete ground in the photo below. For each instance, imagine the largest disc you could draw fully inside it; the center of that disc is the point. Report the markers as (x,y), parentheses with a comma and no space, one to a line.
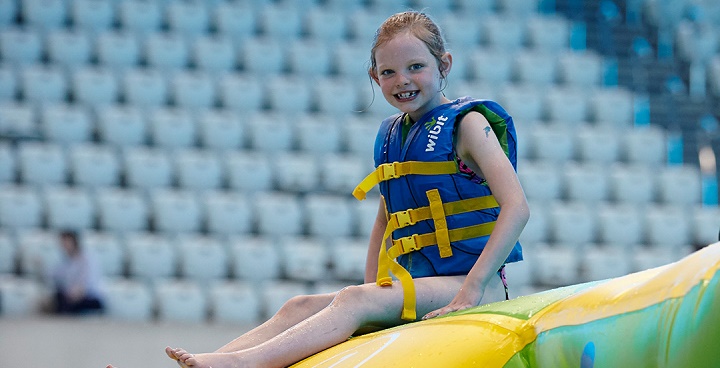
(94,342)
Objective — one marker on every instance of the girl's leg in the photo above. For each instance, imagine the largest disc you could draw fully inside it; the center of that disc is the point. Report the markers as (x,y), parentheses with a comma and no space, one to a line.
(292,312)
(352,308)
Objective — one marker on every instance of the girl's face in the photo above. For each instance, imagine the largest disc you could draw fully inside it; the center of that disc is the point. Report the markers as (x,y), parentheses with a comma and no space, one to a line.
(409,75)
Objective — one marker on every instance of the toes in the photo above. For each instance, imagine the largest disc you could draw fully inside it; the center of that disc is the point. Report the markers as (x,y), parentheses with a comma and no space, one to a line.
(170,353)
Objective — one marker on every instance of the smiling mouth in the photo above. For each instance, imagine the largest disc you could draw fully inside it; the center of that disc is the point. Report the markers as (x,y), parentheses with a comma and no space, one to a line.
(406,95)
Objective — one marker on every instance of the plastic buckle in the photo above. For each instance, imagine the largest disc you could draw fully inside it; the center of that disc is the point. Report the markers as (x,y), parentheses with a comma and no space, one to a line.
(403,219)
(408,244)
(390,171)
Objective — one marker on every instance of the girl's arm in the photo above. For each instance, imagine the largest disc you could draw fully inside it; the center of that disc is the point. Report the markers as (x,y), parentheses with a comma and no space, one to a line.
(479,148)
(376,235)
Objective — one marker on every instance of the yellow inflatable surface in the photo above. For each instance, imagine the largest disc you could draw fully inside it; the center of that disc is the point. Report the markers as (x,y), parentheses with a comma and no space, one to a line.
(663,317)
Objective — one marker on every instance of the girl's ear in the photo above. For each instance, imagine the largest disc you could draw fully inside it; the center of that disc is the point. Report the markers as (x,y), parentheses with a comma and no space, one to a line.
(445,64)
(373,76)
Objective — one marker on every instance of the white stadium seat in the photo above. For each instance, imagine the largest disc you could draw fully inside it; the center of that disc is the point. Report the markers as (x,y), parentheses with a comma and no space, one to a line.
(8,253)
(21,296)
(324,25)
(193,90)
(122,210)
(118,49)
(567,104)
(270,132)
(40,252)
(586,182)
(69,48)
(296,172)
(310,57)
(42,163)
(572,223)
(8,163)
(151,257)
(167,51)
(20,207)
(176,211)
(66,123)
(604,262)
(555,265)
(554,142)
(142,17)
(535,67)
(145,87)
(579,69)
(537,229)
(644,146)
(365,214)
(264,55)
(632,183)
(198,169)
(304,259)
(18,119)
(227,212)
(541,180)
(92,15)
(341,173)
(706,225)
(95,86)
(107,249)
(318,133)
(679,185)
(172,127)
(280,22)
(203,259)
(289,94)
(241,92)
(668,226)
(254,258)
(44,14)
(332,96)
(548,33)
(278,213)
(621,115)
(190,19)
(597,144)
(20,46)
(44,83)
(329,215)
(69,208)
(122,125)
(129,300)
(214,54)
(348,257)
(248,170)
(8,83)
(525,103)
(148,167)
(221,129)
(234,302)
(236,20)
(94,165)
(621,224)
(504,32)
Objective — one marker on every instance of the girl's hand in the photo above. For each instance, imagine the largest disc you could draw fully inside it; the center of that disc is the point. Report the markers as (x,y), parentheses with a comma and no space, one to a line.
(465,298)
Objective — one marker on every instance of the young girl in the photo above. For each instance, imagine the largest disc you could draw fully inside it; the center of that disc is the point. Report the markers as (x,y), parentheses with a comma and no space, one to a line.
(445,169)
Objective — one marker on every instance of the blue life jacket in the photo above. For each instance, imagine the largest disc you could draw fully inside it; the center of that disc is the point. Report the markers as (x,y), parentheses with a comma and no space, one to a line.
(436,211)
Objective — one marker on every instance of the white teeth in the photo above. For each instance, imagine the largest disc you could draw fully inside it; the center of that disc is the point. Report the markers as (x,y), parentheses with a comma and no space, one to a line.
(406,94)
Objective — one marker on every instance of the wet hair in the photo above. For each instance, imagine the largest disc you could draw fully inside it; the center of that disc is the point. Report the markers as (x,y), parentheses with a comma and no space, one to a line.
(419,25)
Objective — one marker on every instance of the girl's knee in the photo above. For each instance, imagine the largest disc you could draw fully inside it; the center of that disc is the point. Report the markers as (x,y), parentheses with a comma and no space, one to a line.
(351,296)
(302,302)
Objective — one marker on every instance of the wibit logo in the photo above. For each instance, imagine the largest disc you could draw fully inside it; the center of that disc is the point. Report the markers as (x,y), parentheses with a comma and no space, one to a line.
(434,127)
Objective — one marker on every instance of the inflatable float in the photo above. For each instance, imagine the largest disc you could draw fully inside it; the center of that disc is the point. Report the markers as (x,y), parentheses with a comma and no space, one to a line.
(662,317)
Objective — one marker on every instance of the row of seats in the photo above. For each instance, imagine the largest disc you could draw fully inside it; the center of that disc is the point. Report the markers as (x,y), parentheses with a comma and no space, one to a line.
(123,48)
(314,86)
(307,156)
(283,20)
(171,300)
(179,211)
(247,300)
(150,256)
(221,213)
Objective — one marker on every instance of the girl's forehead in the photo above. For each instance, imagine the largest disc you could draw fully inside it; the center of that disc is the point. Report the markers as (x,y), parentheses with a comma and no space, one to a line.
(404,45)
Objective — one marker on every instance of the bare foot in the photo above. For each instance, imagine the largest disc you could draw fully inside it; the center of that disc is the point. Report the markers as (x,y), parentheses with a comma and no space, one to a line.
(213,360)
(177,354)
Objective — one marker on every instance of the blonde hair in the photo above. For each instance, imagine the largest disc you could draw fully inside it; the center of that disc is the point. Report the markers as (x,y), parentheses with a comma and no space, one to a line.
(419,25)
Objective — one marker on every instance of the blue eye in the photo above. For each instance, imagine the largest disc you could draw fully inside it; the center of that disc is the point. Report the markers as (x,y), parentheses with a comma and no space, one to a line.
(386,72)
(416,66)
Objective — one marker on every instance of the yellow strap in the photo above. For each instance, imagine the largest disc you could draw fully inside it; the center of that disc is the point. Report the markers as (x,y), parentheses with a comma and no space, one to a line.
(401,219)
(418,241)
(396,169)
(441,229)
